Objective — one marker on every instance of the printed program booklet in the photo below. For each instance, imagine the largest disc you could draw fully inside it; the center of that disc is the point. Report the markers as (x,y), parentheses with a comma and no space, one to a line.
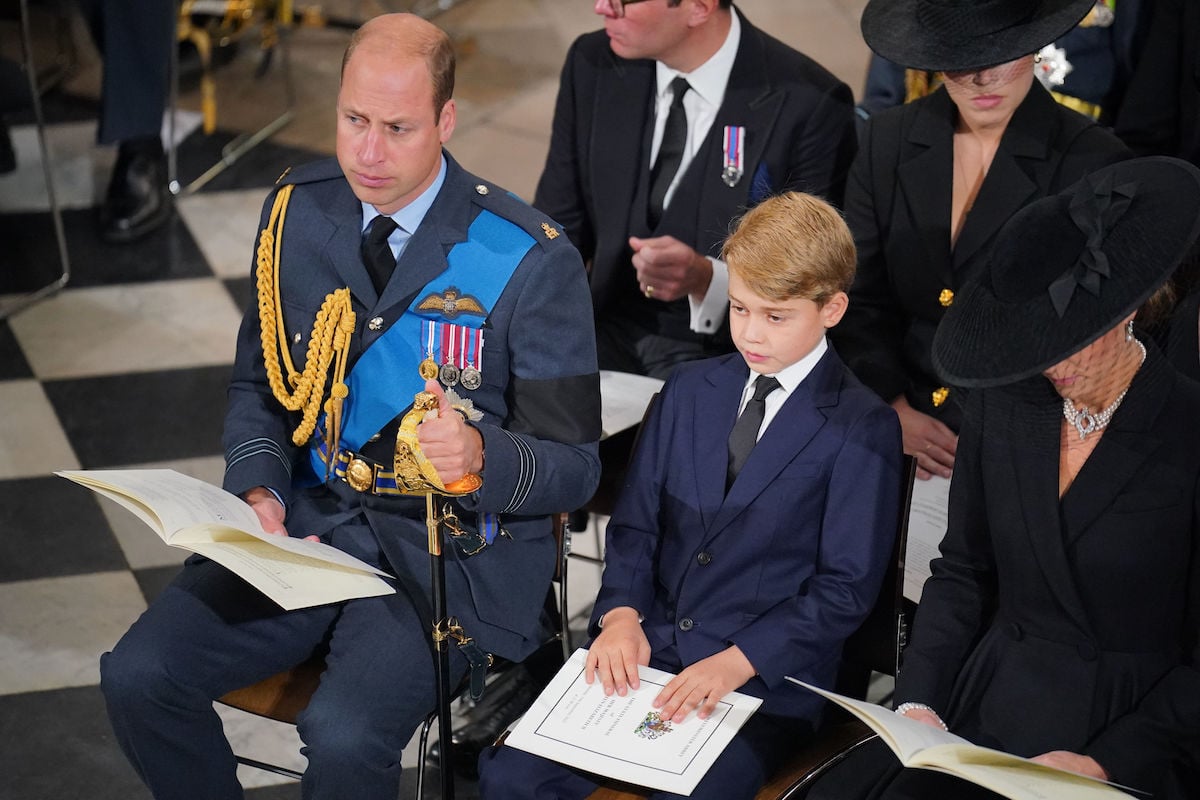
(926,528)
(574,723)
(923,746)
(193,515)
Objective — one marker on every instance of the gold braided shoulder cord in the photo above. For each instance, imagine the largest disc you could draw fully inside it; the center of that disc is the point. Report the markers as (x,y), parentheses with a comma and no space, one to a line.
(329,342)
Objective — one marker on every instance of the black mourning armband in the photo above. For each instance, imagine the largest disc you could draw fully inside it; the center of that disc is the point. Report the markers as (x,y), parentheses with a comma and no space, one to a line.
(564,409)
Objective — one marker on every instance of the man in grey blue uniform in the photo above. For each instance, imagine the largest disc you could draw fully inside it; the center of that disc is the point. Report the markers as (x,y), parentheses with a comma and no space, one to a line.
(483,284)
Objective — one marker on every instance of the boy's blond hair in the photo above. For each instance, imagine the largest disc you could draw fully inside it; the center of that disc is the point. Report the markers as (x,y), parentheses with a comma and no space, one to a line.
(792,245)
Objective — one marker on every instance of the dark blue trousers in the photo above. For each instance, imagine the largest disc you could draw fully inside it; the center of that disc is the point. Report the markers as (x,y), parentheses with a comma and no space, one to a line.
(135,38)
(210,633)
(756,752)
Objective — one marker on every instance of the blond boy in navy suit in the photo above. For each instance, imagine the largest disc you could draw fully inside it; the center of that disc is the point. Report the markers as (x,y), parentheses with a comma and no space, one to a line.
(734,569)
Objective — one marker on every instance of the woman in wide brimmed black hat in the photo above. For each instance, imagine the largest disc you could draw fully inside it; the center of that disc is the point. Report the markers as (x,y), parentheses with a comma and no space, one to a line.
(1062,621)
(935,180)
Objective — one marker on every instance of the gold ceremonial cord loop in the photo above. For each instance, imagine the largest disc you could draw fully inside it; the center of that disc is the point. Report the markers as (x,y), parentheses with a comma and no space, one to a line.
(329,342)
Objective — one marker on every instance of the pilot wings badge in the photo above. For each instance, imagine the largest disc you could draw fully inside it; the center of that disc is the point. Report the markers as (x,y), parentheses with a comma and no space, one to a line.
(451,303)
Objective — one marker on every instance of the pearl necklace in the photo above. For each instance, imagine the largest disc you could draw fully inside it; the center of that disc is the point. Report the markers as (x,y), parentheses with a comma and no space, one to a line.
(1086,422)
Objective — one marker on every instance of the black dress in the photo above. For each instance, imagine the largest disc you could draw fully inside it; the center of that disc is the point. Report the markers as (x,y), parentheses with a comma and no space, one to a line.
(1065,624)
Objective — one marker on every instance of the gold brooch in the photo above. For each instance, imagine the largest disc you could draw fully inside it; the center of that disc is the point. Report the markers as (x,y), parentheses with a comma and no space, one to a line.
(551,233)
(946,298)
(939,396)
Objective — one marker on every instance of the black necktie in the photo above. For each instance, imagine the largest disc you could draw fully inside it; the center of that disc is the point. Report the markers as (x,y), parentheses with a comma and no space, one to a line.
(745,431)
(376,254)
(670,152)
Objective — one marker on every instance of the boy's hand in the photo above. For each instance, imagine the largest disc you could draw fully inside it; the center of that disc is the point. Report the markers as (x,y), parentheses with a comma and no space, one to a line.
(451,445)
(616,653)
(703,684)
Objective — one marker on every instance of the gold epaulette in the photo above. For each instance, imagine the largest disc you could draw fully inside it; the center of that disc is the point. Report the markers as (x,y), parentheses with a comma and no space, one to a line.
(919,83)
(329,341)
(1092,110)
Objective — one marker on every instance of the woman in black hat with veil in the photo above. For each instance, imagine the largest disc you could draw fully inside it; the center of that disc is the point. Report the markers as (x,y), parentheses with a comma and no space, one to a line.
(1062,621)
(934,181)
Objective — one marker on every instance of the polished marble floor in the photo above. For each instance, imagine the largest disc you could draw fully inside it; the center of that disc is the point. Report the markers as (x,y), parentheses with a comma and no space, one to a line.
(127,366)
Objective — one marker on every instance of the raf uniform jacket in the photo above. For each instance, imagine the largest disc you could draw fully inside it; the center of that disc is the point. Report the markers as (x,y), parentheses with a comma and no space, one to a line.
(788,563)
(898,208)
(1071,623)
(799,125)
(539,397)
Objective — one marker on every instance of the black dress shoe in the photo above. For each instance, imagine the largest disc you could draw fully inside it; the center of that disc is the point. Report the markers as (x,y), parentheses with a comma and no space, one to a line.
(138,201)
(506,699)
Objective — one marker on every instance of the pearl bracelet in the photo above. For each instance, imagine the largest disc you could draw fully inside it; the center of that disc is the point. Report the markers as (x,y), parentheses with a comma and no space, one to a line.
(904,708)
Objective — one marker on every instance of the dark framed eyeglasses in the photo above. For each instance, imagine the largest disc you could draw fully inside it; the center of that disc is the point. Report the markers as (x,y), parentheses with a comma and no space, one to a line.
(618,6)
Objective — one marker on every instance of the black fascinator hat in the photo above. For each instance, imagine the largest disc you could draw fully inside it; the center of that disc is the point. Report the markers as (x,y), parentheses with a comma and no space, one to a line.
(960,35)
(1068,268)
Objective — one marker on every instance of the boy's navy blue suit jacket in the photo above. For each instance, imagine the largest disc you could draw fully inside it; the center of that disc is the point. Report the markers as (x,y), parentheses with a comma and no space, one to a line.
(789,563)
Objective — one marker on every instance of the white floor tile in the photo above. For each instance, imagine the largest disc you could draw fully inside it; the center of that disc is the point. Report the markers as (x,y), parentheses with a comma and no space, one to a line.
(118,329)
(32,441)
(263,740)
(80,168)
(53,630)
(225,226)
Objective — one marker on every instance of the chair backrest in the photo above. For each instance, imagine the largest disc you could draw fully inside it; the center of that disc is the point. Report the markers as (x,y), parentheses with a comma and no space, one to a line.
(562,540)
(879,642)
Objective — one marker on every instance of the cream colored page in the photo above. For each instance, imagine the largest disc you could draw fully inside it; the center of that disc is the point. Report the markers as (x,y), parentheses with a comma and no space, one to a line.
(1014,777)
(177,501)
(906,737)
(186,511)
(919,745)
(290,579)
(300,548)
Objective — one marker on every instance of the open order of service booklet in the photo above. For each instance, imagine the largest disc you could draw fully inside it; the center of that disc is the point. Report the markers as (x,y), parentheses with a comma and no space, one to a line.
(923,746)
(624,738)
(193,515)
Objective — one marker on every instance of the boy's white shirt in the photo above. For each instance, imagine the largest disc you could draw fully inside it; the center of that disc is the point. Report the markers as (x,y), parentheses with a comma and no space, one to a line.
(789,378)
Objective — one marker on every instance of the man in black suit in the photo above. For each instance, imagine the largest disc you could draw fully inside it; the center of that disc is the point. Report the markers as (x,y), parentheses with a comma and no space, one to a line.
(648,195)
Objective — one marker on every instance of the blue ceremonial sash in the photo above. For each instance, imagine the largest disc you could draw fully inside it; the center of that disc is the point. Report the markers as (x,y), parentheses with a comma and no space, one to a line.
(384,380)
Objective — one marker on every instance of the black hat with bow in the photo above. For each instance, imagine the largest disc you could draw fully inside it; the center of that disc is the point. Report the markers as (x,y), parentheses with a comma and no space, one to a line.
(1068,268)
